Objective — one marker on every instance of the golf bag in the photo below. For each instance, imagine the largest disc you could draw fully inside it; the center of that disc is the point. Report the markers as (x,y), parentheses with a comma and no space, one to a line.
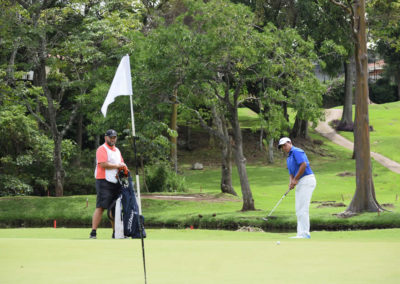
(133,223)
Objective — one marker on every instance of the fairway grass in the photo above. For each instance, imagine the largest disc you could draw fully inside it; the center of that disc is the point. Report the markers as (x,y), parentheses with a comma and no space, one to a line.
(199,256)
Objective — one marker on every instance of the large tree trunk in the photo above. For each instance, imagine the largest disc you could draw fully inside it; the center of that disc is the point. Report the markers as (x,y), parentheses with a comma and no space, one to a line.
(271,151)
(364,198)
(174,139)
(226,151)
(240,160)
(57,137)
(58,168)
(221,133)
(300,129)
(226,170)
(346,123)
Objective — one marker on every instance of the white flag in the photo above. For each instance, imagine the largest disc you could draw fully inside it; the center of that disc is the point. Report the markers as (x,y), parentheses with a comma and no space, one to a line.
(121,84)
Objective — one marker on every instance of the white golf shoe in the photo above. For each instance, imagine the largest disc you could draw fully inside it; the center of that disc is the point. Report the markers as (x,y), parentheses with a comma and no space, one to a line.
(301,237)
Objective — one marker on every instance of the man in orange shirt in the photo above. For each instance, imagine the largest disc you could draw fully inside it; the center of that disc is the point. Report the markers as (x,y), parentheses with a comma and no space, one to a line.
(108,161)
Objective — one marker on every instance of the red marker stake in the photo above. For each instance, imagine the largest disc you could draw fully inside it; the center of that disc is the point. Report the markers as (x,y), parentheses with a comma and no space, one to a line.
(55,224)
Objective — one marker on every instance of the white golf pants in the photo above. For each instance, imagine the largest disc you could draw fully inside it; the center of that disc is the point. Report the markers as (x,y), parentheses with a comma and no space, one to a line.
(304,191)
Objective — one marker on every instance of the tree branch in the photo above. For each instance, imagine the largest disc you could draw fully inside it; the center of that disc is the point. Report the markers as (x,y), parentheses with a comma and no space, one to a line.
(206,127)
(215,90)
(38,118)
(24,4)
(341,5)
(71,120)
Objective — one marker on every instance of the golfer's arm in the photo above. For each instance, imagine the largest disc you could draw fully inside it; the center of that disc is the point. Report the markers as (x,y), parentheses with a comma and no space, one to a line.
(110,166)
(301,171)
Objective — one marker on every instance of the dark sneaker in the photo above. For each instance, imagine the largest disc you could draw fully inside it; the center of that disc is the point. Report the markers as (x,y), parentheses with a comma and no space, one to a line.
(93,235)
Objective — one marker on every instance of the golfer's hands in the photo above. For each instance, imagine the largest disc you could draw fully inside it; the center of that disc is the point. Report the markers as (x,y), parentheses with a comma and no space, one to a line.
(293,183)
(121,165)
(124,168)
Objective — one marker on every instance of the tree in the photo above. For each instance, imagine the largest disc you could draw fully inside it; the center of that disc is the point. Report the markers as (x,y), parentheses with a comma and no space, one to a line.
(61,48)
(364,198)
(327,27)
(220,132)
(213,51)
(384,17)
(228,54)
(331,30)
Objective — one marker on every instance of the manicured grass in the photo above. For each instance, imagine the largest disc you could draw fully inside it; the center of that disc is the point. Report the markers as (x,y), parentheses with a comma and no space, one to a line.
(199,256)
(385,120)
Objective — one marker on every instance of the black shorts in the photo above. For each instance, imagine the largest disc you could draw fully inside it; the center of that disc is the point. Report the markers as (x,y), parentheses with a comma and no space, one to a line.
(107,192)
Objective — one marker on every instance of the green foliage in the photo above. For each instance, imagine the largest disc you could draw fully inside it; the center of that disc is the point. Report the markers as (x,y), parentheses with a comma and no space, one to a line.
(26,154)
(382,91)
(11,185)
(384,17)
(211,50)
(161,178)
(334,95)
(79,181)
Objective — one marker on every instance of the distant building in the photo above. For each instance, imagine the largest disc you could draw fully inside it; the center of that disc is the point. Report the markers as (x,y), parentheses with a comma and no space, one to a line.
(375,70)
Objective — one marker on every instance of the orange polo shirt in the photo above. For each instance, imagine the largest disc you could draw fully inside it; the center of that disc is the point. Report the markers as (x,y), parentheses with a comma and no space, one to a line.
(101,157)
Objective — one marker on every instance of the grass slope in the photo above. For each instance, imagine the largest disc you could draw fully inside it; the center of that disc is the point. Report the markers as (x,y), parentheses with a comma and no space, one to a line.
(385,121)
(199,256)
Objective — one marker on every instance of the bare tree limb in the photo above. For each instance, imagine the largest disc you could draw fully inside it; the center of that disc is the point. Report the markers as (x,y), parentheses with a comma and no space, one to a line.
(71,119)
(342,5)
(203,123)
(38,118)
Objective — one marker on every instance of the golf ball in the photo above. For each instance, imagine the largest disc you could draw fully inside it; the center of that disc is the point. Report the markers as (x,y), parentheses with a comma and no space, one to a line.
(278,242)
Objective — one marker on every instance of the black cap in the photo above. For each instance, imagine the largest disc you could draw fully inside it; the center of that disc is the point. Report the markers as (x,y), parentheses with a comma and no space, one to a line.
(111,133)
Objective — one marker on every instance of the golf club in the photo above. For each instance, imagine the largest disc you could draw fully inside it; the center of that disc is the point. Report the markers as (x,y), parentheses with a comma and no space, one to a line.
(269,215)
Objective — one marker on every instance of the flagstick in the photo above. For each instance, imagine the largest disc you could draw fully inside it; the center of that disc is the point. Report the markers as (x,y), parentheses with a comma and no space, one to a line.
(122,86)
(138,191)
(134,148)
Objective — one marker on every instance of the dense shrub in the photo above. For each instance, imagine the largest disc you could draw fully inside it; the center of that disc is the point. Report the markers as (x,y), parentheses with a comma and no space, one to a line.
(161,178)
(334,96)
(25,154)
(79,174)
(12,185)
(79,181)
(382,91)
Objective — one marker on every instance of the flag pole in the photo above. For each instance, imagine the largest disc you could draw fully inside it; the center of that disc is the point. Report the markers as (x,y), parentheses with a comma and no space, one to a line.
(122,86)
(134,148)
(141,226)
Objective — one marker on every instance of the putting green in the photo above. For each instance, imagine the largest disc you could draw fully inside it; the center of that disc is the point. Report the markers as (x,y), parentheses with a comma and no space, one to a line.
(199,256)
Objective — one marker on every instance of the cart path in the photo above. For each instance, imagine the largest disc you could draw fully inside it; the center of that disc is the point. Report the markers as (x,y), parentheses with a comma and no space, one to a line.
(327,131)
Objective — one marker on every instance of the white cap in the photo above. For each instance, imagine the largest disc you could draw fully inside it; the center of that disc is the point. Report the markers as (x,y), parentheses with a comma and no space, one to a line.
(283,140)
